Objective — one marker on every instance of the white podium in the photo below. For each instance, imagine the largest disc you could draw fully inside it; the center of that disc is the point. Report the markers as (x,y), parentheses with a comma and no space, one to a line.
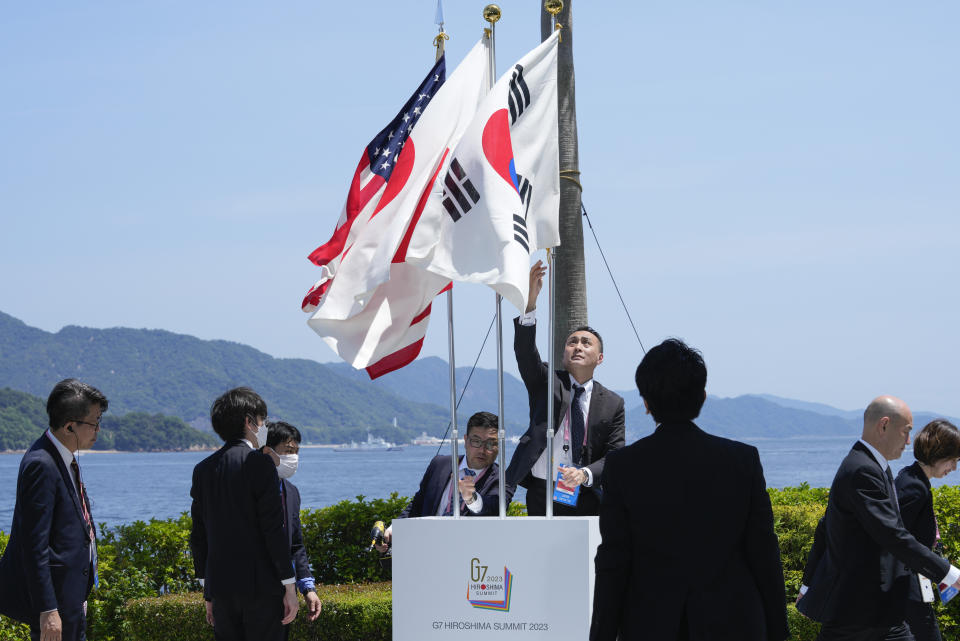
(521,577)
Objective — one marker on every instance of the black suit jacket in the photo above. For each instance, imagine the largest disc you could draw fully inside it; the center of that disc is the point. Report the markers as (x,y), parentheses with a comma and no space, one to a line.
(605,424)
(426,501)
(857,571)
(298,553)
(46,564)
(238,543)
(687,534)
(916,510)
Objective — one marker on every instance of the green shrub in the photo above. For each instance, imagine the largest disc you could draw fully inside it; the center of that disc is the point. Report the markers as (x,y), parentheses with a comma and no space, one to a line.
(337,538)
(358,612)
(11,630)
(795,525)
(946,504)
(801,628)
(802,494)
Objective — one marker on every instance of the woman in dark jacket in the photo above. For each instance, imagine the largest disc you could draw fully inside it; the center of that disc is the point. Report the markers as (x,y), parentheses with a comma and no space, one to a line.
(936,448)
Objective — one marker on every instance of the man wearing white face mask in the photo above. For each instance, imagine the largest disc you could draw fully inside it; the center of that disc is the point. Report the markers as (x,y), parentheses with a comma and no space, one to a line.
(240,551)
(284,440)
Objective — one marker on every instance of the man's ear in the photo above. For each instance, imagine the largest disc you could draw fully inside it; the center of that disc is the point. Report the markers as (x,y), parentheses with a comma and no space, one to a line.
(600,358)
(645,406)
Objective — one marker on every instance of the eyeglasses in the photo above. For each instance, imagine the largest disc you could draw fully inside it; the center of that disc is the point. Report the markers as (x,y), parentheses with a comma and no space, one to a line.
(96,425)
(489,445)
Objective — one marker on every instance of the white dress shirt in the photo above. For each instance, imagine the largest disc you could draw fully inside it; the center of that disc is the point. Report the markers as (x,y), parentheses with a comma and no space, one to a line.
(953,574)
(561,455)
(474,507)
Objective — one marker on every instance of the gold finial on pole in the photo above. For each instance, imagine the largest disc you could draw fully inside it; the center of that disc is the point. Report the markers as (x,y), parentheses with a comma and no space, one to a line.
(554,7)
(491,13)
(438,42)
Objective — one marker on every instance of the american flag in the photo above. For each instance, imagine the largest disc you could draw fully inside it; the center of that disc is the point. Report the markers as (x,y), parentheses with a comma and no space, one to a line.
(373,172)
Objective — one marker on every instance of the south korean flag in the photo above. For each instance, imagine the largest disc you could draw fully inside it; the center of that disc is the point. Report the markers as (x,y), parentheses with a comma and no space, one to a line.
(497,196)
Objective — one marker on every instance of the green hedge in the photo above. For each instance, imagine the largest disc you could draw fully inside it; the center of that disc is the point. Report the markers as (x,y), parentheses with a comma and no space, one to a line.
(358,612)
(143,561)
(337,538)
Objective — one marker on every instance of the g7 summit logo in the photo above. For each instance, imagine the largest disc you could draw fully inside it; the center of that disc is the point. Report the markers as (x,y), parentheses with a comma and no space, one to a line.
(487,591)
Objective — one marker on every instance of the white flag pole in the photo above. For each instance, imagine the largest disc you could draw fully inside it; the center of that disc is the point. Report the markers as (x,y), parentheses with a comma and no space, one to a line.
(438,42)
(551,384)
(491,13)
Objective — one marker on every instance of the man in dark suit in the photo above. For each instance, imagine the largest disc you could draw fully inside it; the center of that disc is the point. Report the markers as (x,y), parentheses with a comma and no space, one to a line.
(49,566)
(859,569)
(688,549)
(588,418)
(478,486)
(284,440)
(240,551)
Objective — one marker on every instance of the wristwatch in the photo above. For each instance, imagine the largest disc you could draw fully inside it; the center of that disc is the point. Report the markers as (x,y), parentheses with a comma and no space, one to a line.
(586,476)
(472,500)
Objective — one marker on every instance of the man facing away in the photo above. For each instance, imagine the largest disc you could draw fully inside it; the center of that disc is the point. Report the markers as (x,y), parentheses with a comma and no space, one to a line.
(687,549)
(863,559)
(588,418)
(240,551)
(49,566)
(478,482)
(284,439)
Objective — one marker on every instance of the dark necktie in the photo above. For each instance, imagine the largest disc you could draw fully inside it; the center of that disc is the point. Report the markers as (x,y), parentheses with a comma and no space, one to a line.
(576,425)
(893,489)
(84,503)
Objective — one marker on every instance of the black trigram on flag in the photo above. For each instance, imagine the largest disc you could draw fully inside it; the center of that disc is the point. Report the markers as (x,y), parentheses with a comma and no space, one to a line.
(459,194)
(519,97)
(520,222)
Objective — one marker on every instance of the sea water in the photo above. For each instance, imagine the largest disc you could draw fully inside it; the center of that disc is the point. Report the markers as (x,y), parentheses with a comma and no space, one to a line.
(124,487)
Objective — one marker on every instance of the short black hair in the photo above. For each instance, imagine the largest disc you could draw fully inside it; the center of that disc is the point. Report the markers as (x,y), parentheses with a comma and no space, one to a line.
(229,412)
(587,328)
(279,432)
(70,400)
(671,378)
(938,440)
(483,420)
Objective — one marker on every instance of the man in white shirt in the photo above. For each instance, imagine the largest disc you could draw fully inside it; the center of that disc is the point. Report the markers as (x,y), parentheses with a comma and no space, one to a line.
(478,482)
(49,566)
(863,559)
(588,418)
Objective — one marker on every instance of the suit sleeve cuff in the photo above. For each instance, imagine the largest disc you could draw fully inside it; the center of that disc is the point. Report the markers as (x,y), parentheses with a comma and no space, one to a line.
(803,589)
(477,505)
(589,473)
(952,576)
(529,318)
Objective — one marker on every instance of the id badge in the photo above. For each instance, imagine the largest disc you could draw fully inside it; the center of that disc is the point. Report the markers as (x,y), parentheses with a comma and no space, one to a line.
(947,592)
(926,589)
(563,493)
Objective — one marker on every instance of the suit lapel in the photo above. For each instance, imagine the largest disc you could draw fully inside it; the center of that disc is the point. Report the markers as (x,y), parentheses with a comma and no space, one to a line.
(65,474)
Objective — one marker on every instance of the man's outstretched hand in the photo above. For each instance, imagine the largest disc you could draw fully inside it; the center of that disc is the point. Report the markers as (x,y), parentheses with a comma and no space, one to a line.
(536,284)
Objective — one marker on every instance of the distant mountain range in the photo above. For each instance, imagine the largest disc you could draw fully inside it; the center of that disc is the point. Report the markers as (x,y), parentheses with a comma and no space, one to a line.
(159,372)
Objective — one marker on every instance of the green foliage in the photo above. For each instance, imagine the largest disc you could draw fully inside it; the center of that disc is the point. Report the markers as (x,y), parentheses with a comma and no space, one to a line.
(138,431)
(350,613)
(516,509)
(337,538)
(946,504)
(801,628)
(11,630)
(802,494)
(176,375)
(138,560)
(23,418)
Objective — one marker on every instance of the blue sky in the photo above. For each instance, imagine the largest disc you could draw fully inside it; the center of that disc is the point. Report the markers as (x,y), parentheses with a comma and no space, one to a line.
(776,183)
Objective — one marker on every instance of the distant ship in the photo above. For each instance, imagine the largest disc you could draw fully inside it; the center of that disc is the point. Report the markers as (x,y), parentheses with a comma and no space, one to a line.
(372,444)
(423,439)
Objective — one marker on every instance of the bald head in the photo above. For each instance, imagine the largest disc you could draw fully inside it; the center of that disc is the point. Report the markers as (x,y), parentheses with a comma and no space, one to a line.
(887,422)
